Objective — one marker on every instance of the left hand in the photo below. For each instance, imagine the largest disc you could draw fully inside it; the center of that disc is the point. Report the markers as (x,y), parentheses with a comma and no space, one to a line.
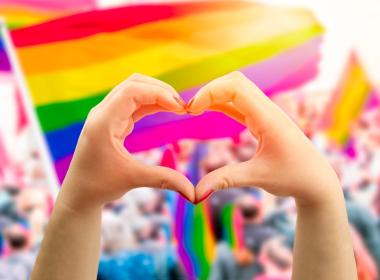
(102,169)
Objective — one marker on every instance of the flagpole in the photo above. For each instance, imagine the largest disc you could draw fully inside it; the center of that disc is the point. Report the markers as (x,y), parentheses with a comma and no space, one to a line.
(52,179)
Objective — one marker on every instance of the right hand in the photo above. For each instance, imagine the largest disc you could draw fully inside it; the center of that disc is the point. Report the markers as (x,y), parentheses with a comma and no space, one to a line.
(285,164)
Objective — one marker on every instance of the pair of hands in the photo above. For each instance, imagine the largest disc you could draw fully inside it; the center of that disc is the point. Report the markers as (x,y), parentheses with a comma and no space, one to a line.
(285,164)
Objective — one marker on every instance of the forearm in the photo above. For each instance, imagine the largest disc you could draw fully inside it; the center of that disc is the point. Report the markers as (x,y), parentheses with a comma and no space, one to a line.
(102,170)
(71,246)
(323,246)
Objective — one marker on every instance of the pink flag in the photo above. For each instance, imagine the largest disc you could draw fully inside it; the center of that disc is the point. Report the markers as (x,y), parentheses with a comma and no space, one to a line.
(4,158)
(168,159)
(22,116)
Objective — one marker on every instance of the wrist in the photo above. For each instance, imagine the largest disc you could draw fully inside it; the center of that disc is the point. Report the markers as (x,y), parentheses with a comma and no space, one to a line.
(72,197)
(320,195)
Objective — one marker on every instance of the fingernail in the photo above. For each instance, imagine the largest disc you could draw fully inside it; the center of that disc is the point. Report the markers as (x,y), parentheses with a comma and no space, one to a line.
(180,101)
(183,195)
(190,102)
(205,196)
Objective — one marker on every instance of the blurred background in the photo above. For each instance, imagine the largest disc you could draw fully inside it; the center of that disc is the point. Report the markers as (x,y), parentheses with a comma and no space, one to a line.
(318,60)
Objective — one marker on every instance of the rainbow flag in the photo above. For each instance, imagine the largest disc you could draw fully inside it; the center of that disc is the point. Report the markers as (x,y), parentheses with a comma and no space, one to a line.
(5,76)
(20,13)
(353,94)
(233,226)
(196,250)
(72,62)
(5,65)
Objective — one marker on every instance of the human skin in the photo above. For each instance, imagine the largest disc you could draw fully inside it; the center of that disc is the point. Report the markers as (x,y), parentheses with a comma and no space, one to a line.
(102,170)
(286,164)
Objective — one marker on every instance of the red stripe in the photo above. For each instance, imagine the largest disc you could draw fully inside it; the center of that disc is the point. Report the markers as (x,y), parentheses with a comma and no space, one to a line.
(89,23)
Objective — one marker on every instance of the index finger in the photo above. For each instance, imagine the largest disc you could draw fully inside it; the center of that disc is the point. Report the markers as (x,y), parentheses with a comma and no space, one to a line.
(134,95)
(117,111)
(258,110)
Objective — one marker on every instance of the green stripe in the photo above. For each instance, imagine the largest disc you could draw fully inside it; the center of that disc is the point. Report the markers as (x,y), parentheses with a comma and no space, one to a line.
(227,213)
(58,115)
(15,25)
(200,242)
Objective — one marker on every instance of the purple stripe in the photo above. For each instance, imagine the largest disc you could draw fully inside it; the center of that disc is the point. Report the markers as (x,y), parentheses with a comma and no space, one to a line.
(298,78)
(180,222)
(196,128)
(4,61)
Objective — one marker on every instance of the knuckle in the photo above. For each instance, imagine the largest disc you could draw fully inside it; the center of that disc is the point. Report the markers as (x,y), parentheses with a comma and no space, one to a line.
(225,183)
(120,85)
(131,90)
(172,89)
(131,86)
(237,75)
(89,128)
(239,80)
(136,76)
(164,184)
(92,112)
(92,116)
(93,122)
(237,87)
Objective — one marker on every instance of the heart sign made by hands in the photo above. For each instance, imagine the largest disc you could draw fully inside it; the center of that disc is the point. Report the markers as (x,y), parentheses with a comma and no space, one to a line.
(284,163)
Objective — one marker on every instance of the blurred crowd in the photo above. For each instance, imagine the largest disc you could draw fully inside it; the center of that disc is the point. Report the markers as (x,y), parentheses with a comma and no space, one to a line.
(25,206)
(137,230)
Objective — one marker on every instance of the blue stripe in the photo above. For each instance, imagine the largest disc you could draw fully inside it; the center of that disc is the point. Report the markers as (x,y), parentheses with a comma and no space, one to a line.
(62,142)
(4,60)
(2,47)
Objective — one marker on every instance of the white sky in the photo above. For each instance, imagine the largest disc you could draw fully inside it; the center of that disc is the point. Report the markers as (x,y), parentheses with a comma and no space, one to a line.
(350,24)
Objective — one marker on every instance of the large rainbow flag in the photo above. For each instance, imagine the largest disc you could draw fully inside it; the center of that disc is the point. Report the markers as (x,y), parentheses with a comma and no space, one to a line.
(353,94)
(72,62)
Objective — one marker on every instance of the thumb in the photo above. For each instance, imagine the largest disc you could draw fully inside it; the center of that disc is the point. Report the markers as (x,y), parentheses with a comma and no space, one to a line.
(243,174)
(167,178)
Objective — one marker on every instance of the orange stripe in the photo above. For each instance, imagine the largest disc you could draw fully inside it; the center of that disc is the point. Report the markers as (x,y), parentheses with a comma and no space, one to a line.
(204,30)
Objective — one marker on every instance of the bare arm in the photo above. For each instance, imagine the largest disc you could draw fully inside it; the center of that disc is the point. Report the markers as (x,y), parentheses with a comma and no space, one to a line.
(71,246)
(323,246)
(285,164)
(101,171)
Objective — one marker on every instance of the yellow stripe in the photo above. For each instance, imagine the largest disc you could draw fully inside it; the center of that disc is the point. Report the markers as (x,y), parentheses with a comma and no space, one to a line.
(87,81)
(25,16)
(236,28)
(355,93)
(209,241)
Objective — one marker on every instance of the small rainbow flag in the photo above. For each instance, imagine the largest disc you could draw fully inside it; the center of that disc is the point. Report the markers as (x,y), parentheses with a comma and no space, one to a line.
(196,250)
(353,94)
(233,226)
(71,63)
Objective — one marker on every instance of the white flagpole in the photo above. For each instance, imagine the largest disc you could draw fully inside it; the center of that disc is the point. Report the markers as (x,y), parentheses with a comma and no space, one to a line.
(52,179)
